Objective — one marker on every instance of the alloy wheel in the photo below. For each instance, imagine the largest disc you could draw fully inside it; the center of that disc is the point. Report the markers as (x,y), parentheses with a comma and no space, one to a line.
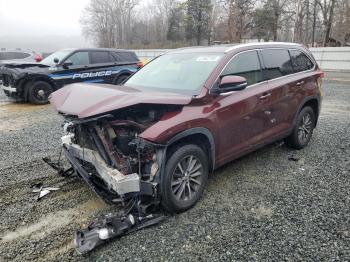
(187,178)
(305,128)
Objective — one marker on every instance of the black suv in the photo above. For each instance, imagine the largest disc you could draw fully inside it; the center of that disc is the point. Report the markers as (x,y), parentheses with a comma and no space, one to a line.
(34,82)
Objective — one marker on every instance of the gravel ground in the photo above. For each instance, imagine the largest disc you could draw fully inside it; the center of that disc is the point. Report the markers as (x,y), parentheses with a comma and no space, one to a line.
(261,207)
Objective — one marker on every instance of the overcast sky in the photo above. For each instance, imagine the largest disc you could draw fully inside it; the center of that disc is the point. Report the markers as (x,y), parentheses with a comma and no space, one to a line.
(40,17)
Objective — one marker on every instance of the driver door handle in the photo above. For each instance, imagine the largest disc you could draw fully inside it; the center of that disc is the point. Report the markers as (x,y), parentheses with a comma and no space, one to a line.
(265,95)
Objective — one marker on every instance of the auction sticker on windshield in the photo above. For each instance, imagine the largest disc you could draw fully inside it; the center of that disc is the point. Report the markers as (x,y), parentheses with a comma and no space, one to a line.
(208,58)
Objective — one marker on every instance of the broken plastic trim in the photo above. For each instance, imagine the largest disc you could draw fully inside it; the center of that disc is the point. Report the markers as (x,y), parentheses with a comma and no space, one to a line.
(132,217)
(137,194)
(58,167)
(111,226)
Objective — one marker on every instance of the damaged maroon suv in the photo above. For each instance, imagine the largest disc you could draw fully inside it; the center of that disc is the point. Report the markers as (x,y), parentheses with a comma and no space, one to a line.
(157,136)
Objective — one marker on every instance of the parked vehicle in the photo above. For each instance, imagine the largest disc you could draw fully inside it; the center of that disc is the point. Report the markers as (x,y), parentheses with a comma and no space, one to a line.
(156,138)
(34,82)
(10,56)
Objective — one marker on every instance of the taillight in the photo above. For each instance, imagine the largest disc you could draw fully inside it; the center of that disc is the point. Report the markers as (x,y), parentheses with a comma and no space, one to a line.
(38,58)
(139,64)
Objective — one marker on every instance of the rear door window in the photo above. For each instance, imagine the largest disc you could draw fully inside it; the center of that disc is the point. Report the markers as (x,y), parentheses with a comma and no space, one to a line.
(101,57)
(300,61)
(277,62)
(125,56)
(247,65)
(79,58)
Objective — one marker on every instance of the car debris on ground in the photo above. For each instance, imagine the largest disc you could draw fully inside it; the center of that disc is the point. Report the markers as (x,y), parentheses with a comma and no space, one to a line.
(293,158)
(42,190)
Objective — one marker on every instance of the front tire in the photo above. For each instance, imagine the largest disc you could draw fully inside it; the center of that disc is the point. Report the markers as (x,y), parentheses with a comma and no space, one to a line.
(303,129)
(186,175)
(39,92)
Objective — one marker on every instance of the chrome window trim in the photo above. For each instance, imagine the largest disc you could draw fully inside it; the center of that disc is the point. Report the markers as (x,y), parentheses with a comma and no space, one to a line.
(310,58)
(306,71)
(268,80)
(229,61)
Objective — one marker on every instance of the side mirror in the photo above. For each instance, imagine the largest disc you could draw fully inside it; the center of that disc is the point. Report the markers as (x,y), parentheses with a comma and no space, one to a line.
(56,60)
(229,84)
(67,64)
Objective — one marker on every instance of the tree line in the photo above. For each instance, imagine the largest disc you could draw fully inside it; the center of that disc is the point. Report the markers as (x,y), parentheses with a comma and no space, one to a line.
(173,23)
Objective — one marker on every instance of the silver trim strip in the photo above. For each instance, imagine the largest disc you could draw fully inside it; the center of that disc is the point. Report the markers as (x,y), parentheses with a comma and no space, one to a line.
(250,50)
(266,81)
(120,183)
(9,89)
(262,44)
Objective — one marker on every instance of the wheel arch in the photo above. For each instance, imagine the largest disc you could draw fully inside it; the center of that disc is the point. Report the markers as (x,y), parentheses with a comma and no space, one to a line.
(25,82)
(122,73)
(199,136)
(314,103)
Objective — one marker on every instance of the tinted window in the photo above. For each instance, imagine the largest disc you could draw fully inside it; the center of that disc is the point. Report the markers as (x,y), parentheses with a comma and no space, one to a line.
(246,65)
(126,56)
(300,61)
(277,62)
(100,57)
(60,55)
(79,58)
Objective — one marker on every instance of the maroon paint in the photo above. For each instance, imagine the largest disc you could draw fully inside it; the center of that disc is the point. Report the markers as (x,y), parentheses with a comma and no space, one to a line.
(240,121)
(232,79)
(85,100)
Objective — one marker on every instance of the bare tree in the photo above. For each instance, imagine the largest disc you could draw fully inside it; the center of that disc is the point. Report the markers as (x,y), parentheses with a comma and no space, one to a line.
(279,11)
(327,9)
(239,18)
(108,22)
(172,23)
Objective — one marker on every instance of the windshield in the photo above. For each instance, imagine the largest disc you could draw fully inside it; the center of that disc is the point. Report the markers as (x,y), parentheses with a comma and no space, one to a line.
(60,55)
(180,73)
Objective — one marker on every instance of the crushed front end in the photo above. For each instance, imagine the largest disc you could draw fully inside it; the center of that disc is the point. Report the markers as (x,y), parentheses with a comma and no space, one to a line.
(9,81)
(120,166)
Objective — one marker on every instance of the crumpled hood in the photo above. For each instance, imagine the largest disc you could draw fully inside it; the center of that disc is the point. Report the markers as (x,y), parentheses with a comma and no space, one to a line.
(18,70)
(22,64)
(85,100)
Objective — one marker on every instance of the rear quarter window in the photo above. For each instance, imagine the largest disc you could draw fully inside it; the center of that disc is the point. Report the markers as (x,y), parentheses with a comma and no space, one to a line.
(277,62)
(300,61)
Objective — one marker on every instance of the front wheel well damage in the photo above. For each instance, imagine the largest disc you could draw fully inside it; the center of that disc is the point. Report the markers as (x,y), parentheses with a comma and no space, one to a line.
(198,139)
(26,82)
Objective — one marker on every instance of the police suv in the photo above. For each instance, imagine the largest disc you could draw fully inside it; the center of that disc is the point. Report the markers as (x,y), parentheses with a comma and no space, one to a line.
(34,82)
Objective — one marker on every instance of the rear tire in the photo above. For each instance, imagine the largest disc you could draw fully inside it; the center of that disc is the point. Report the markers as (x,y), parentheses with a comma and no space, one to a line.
(303,129)
(39,92)
(185,177)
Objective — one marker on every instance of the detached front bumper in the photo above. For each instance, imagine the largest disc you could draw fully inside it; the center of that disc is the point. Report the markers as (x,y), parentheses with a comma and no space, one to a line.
(115,180)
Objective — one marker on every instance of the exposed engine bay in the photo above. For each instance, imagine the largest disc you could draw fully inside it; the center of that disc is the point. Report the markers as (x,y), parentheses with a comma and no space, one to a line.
(121,167)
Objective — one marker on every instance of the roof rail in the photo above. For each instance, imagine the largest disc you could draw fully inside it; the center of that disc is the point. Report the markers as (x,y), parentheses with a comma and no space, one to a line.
(262,43)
